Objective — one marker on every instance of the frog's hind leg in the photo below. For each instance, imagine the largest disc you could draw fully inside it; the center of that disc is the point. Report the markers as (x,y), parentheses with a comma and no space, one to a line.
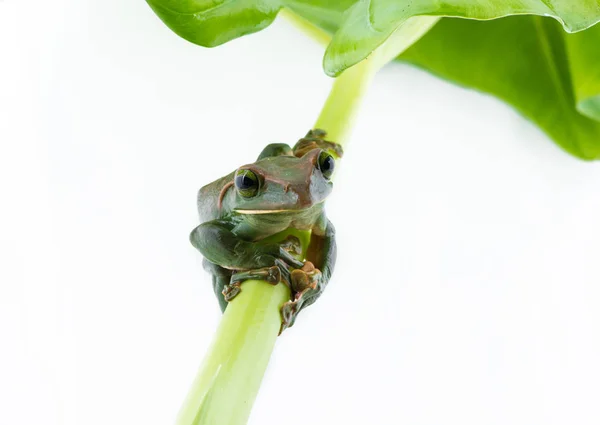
(315,139)
(220,278)
(276,149)
(309,282)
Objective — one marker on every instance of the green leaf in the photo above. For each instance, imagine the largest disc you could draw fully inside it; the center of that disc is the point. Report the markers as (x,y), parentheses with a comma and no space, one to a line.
(370,22)
(523,60)
(210,23)
(360,26)
(551,77)
(584,58)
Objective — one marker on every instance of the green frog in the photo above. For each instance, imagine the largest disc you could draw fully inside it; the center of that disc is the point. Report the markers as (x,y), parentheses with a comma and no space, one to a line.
(255,218)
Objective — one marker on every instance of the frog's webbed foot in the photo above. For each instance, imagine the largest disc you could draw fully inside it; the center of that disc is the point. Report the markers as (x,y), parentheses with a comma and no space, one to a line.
(308,277)
(305,284)
(268,274)
(315,139)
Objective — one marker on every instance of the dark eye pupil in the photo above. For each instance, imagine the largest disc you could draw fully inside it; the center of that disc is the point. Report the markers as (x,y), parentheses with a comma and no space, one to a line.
(244,182)
(326,164)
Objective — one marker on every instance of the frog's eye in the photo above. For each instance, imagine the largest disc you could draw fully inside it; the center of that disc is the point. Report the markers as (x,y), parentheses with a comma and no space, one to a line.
(246,183)
(326,164)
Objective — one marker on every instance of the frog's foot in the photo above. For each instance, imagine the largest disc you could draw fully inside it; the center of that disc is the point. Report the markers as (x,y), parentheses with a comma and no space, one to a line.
(292,246)
(315,139)
(230,291)
(268,274)
(304,278)
(289,311)
(316,133)
(304,282)
(288,251)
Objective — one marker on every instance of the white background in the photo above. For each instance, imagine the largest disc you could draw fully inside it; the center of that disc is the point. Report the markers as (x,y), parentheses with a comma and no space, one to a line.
(467,286)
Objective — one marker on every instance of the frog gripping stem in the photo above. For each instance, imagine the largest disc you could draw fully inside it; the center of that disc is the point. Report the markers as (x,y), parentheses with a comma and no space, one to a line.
(271,250)
(248,216)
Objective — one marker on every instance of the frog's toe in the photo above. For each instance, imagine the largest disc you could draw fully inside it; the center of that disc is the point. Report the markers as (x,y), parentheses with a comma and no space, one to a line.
(273,275)
(270,274)
(284,255)
(299,281)
(289,312)
(230,291)
(292,245)
(316,133)
(304,279)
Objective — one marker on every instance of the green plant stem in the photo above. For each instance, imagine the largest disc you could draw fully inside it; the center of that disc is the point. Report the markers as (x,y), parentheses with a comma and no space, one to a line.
(342,104)
(230,376)
(346,95)
(348,89)
(306,27)
(228,380)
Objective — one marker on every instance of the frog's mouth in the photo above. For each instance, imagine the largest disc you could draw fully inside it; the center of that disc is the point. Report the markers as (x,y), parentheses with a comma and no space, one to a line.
(291,209)
(253,212)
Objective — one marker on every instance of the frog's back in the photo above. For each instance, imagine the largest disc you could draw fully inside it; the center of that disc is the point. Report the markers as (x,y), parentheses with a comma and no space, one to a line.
(210,198)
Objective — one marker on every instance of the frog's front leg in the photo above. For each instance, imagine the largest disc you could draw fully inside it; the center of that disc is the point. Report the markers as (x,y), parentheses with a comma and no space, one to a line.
(232,260)
(220,279)
(309,282)
(219,245)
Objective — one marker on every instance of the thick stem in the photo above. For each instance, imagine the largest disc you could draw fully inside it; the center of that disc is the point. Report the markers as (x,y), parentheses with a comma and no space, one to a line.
(230,376)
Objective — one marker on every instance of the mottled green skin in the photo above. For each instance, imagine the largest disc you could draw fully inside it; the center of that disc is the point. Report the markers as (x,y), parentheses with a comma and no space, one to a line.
(291,195)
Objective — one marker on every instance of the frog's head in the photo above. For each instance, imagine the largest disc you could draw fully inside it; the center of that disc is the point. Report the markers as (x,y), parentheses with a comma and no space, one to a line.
(283,183)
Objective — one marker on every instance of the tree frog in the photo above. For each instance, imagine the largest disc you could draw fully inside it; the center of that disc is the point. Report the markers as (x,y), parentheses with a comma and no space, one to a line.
(243,214)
